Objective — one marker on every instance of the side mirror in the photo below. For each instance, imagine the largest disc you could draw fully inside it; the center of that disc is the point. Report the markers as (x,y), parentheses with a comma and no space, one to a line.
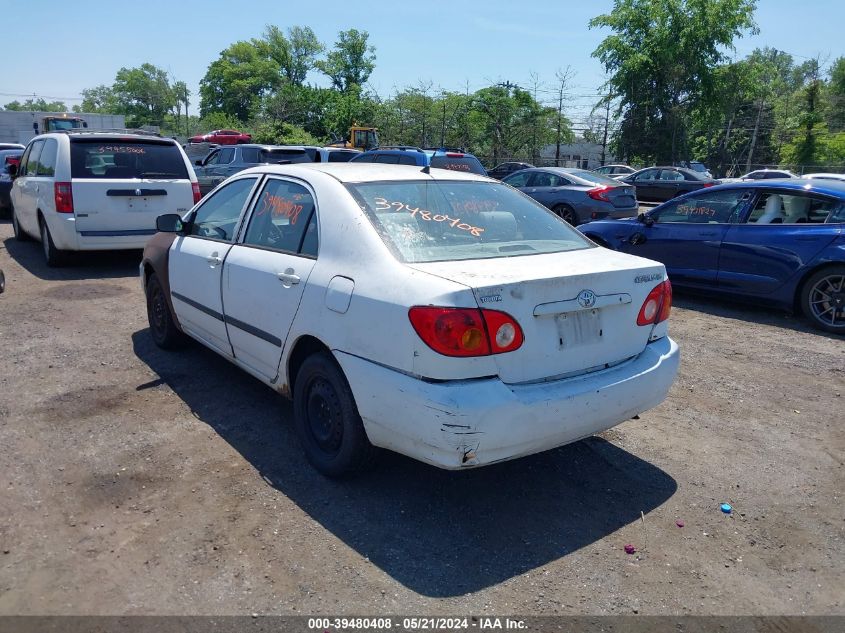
(12,168)
(198,162)
(646,219)
(169,223)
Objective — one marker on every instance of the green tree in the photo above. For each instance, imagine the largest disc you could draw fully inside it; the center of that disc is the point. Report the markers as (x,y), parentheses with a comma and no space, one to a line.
(36,105)
(351,61)
(296,54)
(236,82)
(662,58)
(144,94)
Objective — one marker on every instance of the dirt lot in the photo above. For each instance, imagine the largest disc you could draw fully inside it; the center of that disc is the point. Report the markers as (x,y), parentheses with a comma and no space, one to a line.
(139,481)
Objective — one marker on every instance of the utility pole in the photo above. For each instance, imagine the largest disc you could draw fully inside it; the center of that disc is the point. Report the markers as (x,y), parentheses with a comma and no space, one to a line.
(563,77)
(606,123)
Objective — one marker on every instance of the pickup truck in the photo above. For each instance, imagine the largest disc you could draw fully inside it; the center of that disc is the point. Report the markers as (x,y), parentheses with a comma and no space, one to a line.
(223,162)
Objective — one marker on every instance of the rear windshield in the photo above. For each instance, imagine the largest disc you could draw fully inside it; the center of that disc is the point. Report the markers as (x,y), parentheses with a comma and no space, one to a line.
(458,163)
(126,158)
(425,221)
(275,156)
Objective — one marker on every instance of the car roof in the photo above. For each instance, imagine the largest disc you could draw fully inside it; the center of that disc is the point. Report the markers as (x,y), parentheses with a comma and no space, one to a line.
(829,187)
(352,172)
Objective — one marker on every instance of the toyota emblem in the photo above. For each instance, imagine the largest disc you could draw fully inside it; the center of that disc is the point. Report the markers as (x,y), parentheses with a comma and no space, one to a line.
(587,298)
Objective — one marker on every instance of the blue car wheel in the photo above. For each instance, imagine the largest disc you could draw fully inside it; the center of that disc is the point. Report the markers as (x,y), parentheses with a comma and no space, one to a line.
(823,299)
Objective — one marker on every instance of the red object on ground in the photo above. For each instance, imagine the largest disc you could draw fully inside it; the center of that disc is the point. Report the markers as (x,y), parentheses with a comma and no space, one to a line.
(680,523)
(630,549)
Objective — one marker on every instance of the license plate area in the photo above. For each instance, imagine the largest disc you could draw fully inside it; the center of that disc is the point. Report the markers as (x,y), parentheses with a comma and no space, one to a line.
(581,327)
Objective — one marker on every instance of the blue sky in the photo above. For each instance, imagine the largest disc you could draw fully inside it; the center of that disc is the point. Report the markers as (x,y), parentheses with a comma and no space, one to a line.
(57,49)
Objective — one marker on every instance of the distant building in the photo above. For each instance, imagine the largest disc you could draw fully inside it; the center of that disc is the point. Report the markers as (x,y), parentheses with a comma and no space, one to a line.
(581,154)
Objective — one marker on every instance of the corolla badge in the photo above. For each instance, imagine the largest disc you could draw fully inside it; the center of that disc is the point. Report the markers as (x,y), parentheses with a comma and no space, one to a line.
(587,298)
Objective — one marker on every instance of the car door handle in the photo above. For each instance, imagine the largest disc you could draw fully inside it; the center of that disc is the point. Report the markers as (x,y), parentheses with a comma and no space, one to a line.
(288,278)
(214,260)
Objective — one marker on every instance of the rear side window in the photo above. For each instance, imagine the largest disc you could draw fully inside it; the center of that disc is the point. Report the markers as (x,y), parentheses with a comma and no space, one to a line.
(341,157)
(281,219)
(458,162)
(363,158)
(284,156)
(126,158)
(441,220)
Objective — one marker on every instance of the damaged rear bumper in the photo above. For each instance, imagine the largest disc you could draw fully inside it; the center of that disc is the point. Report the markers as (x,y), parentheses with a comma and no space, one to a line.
(464,423)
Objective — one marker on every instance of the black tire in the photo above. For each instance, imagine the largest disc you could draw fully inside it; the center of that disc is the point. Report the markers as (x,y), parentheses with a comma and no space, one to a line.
(327,420)
(823,299)
(52,255)
(567,213)
(2,282)
(166,334)
(20,234)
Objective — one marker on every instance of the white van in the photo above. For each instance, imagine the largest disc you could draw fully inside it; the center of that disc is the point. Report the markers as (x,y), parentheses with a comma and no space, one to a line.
(88,191)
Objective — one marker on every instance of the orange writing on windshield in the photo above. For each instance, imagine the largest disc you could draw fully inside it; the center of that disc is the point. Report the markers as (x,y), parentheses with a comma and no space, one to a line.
(383,205)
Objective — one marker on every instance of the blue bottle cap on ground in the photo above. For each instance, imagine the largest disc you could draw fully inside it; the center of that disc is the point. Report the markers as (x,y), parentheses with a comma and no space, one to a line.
(726,508)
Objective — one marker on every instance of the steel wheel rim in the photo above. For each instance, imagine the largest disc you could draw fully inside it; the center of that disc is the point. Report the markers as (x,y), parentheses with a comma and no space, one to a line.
(158,311)
(827,300)
(323,412)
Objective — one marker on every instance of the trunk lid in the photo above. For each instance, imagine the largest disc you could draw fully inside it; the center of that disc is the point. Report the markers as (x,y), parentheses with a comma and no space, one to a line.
(578,310)
(127,205)
(622,196)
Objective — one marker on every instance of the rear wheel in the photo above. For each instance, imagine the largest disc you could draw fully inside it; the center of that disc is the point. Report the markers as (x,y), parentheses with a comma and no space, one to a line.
(16,227)
(163,328)
(53,255)
(2,282)
(567,213)
(823,299)
(327,420)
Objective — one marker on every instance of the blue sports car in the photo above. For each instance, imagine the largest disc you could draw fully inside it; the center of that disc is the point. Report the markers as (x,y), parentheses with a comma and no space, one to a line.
(778,242)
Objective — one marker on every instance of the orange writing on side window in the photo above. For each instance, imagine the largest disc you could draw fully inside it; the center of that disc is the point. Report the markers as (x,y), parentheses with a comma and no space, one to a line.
(280,207)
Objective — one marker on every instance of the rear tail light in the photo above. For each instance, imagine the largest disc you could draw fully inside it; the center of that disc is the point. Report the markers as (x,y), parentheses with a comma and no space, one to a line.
(64,197)
(600,193)
(195,188)
(466,331)
(709,184)
(657,305)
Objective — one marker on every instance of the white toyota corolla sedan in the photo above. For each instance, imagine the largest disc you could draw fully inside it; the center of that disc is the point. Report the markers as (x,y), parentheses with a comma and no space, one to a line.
(442,315)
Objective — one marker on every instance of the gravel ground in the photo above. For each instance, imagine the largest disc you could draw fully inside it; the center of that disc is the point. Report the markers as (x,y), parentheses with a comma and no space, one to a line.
(138,481)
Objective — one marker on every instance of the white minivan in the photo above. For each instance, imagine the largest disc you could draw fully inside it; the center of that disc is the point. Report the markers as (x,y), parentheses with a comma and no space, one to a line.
(87,191)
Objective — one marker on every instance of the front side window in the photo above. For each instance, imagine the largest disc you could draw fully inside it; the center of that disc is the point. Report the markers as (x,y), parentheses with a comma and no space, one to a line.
(282,218)
(671,175)
(779,208)
(227,155)
(519,179)
(545,179)
(217,217)
(716,207)
(34,157)
(427,221)
(647,176)
(126,158)
(390,159)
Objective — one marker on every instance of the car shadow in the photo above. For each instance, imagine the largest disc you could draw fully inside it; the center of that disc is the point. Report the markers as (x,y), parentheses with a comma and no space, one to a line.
(439,533)
(81,265)
(742,311)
